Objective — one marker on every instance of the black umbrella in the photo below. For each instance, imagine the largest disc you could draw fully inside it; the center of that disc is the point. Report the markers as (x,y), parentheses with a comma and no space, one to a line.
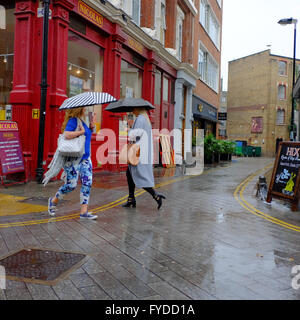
(127,105)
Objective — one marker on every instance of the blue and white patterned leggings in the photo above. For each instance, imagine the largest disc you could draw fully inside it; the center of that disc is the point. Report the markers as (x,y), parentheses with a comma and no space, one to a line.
(85,172)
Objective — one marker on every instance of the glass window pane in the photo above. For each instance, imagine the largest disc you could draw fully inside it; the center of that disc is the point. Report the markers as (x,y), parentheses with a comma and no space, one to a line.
(281,92)
(202,12)
(166,89)
(157,97)
(7,34)
(280,117)
(85,71)
(282,68)
(131,81)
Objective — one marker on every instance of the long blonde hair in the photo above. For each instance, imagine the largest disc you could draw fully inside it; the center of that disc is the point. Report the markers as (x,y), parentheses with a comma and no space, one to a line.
(71,113)
(144,113)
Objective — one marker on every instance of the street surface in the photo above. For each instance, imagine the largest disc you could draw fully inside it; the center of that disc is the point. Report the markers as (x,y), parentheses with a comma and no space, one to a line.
(212,239)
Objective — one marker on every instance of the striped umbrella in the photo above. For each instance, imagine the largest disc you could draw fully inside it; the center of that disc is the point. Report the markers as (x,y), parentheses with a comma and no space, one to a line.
(87,99)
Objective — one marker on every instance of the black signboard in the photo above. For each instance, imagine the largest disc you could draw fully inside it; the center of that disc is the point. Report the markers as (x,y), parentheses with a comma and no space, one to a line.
(222,116)
(285,178)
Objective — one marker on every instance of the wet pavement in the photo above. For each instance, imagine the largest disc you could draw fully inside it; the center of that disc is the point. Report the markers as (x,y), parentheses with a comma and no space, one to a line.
(212,239)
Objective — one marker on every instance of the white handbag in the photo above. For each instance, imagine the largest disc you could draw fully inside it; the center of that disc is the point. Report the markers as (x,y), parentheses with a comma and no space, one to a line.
(71,147)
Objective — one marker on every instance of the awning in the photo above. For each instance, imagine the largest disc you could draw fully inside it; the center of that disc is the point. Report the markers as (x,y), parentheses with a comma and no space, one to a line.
(203,110)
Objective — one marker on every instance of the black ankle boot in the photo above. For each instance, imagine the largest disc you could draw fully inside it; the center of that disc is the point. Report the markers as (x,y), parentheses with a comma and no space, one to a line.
(130,202)
(158,198)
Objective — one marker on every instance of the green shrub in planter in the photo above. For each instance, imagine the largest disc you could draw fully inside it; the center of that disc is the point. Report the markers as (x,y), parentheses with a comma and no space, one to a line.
(209,141)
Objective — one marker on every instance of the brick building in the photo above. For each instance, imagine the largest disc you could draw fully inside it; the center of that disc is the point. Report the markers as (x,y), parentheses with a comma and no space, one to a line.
(259,99)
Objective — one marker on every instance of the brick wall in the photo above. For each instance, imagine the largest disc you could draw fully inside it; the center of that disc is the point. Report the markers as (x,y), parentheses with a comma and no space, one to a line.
(148,13)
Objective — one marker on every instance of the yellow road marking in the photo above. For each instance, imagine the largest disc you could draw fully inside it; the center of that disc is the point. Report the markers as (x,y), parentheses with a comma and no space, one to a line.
(11,205)
(99,209)
(239,196)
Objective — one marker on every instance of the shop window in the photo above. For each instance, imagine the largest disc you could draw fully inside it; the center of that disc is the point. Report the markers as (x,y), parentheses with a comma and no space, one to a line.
(131,81)
(280,116)
(281,92)
(282,68)
(7,34)
(157,96)
(85,71)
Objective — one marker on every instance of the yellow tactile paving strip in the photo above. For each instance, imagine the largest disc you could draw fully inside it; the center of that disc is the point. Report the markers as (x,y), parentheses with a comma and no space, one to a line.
(11,205)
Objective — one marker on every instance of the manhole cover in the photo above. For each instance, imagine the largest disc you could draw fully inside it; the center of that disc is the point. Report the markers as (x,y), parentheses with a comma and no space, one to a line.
(41,266)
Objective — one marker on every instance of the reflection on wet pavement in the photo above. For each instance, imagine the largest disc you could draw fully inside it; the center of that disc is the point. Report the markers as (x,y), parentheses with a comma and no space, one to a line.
(202,244)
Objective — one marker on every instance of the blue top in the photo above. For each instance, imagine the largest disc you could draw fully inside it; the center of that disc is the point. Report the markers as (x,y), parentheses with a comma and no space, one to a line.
(72,126)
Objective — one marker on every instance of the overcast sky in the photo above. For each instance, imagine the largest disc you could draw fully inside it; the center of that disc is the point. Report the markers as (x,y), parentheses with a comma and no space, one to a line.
(250,25)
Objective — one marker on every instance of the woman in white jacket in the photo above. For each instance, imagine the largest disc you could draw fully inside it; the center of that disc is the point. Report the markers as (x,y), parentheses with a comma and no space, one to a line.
(141,176)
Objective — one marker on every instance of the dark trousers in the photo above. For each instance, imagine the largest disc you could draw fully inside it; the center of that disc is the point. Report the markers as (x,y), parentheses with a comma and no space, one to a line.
(131,186)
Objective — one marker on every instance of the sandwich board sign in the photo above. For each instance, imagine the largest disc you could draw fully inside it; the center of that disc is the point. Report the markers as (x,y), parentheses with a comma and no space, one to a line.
(285,179)
(11,156)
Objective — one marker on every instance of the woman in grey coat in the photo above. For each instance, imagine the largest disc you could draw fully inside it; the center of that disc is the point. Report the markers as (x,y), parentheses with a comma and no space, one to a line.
(141,176)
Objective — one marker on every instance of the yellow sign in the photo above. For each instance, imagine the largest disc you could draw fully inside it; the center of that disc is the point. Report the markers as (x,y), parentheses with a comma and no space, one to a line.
(2,114)
(90,13)
(200,107)
(35,113)
(135,45)
(6,126)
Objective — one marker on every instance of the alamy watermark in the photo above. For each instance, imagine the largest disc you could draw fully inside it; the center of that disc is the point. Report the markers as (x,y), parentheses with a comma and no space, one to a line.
(296,279)
(2,278)
(150,147)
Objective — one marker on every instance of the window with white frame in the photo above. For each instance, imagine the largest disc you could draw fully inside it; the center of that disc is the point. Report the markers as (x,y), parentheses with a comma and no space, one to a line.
(163,26)
(202,57)
(133,9)
(281,92)
(136,11)
(160,20)
(282,68)
(202,13)
(209,22)
(208,69)
(179,32)
(280,116)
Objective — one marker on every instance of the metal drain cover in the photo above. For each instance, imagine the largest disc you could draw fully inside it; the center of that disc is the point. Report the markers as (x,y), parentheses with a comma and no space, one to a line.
(43,266)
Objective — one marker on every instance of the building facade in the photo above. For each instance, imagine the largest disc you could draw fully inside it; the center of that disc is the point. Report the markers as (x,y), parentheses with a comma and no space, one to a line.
(259,100)
(207,61)
(128,48)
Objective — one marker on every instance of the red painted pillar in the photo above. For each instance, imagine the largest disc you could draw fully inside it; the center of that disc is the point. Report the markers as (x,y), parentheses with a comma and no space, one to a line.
(149,85)
(21,96)
(58,56)
(112,80)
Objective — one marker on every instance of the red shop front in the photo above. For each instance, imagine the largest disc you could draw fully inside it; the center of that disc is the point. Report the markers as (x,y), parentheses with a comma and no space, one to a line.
(87,52)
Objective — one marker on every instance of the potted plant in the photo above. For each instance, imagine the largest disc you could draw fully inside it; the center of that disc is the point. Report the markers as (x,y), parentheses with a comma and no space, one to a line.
(224,152)
(208,149)
(217,150)
(229,148)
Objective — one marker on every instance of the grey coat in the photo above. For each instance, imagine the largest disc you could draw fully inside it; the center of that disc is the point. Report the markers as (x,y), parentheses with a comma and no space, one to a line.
(141,132)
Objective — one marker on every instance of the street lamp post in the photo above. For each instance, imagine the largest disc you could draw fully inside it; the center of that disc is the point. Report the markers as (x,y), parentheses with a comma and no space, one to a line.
(44,87)
(285,22)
